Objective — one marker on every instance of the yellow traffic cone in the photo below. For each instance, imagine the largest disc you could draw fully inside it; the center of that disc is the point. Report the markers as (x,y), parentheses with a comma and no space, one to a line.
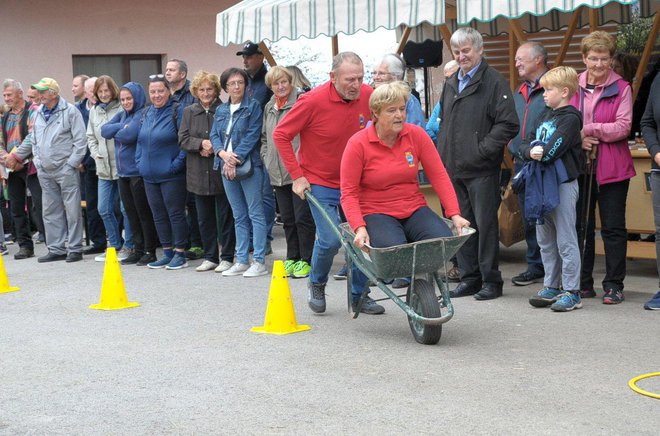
(4,281)
(113,293)
(280,315)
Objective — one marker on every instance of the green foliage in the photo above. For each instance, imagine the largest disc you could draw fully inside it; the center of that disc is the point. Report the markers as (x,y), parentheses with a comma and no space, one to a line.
(632,37)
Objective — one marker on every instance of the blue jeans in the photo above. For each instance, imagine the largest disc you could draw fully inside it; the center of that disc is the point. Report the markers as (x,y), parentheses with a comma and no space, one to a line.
(327,244)
(168,205)
(247,202)
(108,198)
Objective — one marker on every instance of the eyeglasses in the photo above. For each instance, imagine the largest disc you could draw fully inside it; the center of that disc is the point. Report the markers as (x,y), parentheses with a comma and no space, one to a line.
(594,60)
(235,83)
(157,78)
(380,73)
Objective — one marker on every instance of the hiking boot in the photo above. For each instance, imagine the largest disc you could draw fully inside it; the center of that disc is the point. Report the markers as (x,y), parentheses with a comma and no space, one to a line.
(613,296)
(527,278)
(301,270)
(587,293)
(256,269)
(24,253)
(316,297)
(147,258)
(545,297)
(653,303)
(178,261)
(236,269)
(289,267)
(341,274)
(566,302)
(369,306)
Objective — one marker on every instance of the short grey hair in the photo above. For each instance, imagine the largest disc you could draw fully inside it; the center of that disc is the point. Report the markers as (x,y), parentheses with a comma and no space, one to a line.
(537,49)
(345,56)
(395,65)
(466,35)
(11,83)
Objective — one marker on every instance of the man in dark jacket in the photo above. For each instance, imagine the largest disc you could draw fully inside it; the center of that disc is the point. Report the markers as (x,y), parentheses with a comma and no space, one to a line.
(253,64)
(478,120)
(531,62)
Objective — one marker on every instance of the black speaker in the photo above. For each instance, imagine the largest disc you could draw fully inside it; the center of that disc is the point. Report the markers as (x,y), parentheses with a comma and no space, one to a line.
(423,54)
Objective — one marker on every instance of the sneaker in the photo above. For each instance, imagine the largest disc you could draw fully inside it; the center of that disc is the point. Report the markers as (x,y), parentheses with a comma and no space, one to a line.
(3,250)
(545,297)
(613,296)
(236,269)
(178,261)
(39,238)
(224,266)
(527,278)
(289,266)
(195,253)
(587,293)
(147,258)
(133,258)
(24,253)
(369,306)
(454,275)
(653,303)
(256,269)
(316,297)
(74,256)
(207,265)
(566,302)
(51,257)
(301,269)
(124,253)
(94,249)
(100,258)
(158,264)
(341,274)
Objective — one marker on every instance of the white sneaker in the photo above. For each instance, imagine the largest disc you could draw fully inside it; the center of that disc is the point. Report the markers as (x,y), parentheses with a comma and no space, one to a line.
(207,265)
(256,269)
(100,258)
(236,269)
(224,266)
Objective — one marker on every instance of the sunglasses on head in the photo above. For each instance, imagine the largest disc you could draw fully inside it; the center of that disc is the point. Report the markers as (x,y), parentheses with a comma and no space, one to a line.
(157,78)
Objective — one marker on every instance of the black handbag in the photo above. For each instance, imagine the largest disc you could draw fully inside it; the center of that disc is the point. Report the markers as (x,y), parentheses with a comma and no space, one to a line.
(244,170)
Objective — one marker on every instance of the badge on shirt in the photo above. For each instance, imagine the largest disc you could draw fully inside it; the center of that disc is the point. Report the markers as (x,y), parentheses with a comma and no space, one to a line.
(362,123)
(410,159)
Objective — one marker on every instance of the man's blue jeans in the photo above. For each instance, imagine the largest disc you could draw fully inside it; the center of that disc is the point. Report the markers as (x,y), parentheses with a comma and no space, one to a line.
(327,244)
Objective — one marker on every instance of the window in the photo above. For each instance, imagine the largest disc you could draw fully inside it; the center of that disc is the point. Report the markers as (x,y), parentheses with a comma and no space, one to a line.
(122,68)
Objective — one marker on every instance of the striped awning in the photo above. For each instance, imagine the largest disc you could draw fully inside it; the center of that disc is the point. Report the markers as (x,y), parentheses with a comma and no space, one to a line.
(271,20)
(492,17)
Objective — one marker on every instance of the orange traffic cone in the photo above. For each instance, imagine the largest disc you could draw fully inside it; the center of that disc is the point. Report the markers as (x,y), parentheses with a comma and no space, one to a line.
(113,293)
(280,314)
(4,281)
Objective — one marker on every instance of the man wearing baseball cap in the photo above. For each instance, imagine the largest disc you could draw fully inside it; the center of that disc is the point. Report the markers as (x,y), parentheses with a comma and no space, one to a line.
(58,143)
(253,64)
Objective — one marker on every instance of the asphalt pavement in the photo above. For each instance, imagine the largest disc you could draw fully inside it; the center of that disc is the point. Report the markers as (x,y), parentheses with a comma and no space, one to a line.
(185,361)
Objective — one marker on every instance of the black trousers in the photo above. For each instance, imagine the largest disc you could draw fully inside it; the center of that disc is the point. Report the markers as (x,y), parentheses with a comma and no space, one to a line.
(192,220)
(298,223)
(216,218)
(95,225)
(479,199)
(17,184)
(134,198)
(611,200)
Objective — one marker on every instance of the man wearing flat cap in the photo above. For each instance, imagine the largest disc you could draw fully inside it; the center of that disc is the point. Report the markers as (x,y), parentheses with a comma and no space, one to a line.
(253,64)
(58,142)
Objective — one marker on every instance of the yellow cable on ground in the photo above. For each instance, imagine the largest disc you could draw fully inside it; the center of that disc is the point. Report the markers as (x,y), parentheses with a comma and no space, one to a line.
(633,384)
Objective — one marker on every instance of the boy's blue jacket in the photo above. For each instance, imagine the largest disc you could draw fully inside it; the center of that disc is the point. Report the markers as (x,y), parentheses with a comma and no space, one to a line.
(158,156)
(124,128)
(541,184)
(245,134)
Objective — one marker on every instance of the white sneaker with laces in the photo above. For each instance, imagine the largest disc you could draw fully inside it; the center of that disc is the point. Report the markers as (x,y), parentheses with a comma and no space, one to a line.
(224,266)
(256,269)
(236,269)
(207,265)
(100,258)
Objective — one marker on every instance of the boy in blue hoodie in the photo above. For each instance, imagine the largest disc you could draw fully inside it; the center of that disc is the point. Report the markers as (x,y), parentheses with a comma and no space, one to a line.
(556,141)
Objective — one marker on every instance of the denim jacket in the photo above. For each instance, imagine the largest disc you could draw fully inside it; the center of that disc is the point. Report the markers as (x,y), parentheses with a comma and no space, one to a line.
(245,134)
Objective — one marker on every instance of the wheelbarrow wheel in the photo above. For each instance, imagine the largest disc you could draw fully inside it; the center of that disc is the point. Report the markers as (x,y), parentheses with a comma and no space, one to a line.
(422,301)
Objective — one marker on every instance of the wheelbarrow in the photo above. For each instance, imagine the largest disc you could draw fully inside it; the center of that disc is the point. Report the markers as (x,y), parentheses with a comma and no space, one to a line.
(424,261)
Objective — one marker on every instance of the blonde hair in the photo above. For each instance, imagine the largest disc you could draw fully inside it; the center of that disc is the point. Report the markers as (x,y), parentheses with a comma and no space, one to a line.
(599,41)
(561,77)
(276,74)
(387,94)
(201,77)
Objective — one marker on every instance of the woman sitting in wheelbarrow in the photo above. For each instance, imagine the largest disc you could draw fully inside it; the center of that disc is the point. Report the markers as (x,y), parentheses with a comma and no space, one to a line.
(380,192)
